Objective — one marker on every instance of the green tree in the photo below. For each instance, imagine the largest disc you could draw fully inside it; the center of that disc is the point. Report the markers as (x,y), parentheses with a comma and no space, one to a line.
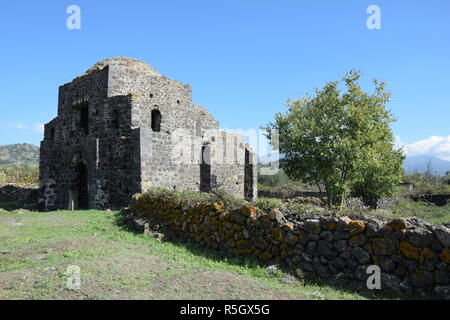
(446,178)
(277,180)
(380,175)
(333,138)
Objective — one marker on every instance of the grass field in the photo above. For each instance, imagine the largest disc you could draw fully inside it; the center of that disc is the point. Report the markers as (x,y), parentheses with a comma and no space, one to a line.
(405,208)
(37,248)
(428,212)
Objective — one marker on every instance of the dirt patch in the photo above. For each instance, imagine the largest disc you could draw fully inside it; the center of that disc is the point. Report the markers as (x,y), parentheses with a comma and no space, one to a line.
(213,284)
(38,257)
(52,218)
(10,221)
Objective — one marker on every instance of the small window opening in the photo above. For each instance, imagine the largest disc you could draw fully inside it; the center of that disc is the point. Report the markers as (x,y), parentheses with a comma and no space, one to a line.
(151,95)
(156,120)
(84,120)
(84,116)
(116,119)
(178,101)
(52,134)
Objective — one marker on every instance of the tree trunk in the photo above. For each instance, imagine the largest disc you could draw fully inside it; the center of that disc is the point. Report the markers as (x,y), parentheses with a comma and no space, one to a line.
(329,198)
(342,201)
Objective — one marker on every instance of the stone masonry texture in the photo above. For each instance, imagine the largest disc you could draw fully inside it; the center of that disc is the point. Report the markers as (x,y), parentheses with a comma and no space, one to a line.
(413,256)
(123,128)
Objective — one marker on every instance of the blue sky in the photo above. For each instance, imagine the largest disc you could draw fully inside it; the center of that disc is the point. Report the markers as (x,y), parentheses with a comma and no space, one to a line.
(242,58)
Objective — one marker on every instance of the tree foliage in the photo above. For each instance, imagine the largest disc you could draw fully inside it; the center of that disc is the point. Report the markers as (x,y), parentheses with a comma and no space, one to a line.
(340,139)
(277,180)
(446,178)
(428,182)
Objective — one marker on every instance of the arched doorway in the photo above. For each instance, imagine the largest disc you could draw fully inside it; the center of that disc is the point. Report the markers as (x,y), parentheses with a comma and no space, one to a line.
(249,177)
(83,191)
(205,169)
(156,120)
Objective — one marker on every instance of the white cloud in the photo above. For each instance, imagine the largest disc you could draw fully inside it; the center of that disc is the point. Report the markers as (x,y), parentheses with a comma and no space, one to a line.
(17,126)
(434,146)
(39,127)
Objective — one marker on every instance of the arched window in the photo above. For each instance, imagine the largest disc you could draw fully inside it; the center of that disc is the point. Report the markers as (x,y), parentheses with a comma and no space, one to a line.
(156,120)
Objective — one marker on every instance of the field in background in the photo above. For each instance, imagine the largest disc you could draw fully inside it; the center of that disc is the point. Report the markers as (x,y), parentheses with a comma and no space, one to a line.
(22,175)
(408,208)
(405,208)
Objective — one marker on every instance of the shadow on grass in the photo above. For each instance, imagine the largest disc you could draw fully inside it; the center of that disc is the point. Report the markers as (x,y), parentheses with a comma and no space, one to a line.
(253,263)
(11,206)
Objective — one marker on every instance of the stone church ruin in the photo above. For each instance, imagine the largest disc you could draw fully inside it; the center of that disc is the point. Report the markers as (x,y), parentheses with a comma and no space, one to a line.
(123,128)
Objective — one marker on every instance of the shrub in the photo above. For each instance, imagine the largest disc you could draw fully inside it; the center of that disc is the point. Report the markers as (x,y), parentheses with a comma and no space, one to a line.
(267,204)
(190,198)
(229,201)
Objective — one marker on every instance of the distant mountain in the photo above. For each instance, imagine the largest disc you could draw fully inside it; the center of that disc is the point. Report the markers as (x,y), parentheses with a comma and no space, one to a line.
(19,154)
(420,164)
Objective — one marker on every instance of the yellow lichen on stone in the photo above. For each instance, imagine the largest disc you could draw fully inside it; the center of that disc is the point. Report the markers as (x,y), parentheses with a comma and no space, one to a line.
(276,214)
(218,206)
(427,254)
(289,225)
(356,226)
(329,225)
(249,211)
(409,251)
(382,246)
(396,224)
(445,255)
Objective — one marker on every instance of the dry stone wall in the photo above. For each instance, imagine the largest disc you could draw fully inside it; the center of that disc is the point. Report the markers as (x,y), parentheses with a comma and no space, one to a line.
(414,256)
(437,199)
(28,193)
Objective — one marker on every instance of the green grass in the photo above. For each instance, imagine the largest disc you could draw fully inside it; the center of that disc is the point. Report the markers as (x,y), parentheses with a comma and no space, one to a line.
(37,248)
(406,208)
(428,212)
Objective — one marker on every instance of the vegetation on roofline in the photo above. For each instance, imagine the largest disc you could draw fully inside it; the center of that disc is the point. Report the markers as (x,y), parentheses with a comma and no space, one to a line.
(192,197)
